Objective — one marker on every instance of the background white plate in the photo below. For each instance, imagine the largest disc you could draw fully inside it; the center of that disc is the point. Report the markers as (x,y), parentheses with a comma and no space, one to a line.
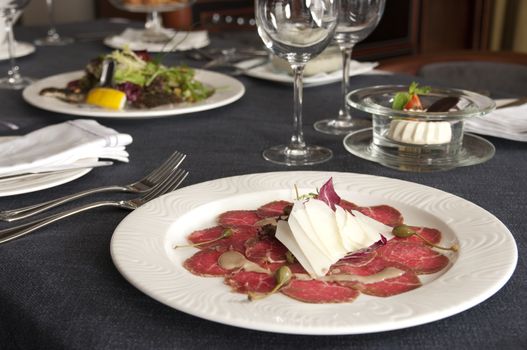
(141,249)
(21,49)
(181,41)
(36,182)
(268,72)
(228,90)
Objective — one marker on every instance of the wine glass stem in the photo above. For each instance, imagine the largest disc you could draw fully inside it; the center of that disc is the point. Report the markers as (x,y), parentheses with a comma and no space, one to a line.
(346,59)
(153,22)
(13,74)
(52,30)
(297,140)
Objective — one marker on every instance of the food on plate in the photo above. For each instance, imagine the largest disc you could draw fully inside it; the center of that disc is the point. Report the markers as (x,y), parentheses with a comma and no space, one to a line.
(106,98)
(419,132)
(443,104)
(318,248)
(415,132)
(145,82)
(409,100)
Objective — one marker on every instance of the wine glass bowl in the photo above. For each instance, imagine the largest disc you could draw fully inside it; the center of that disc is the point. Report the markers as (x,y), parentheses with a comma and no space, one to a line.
(357,19)
(10,11)
(154,31)
(296,31)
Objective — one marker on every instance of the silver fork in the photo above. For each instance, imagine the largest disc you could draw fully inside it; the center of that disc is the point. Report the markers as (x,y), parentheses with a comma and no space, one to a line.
(141,186)
(168,185)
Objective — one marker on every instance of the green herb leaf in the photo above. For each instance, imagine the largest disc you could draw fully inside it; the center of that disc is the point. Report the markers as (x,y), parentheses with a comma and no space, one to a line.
(400,100)
(414,89)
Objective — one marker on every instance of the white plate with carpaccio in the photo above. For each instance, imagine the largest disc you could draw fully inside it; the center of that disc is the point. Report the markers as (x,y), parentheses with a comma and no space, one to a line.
(434,283)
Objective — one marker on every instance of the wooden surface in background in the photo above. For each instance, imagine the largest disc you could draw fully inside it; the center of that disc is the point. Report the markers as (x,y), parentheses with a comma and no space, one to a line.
(408,27)
(412,64)
(454,25)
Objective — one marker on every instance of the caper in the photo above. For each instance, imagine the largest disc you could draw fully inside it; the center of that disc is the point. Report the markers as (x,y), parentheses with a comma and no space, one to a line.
(283,275)
(290,257)
(403,231)
(227,233)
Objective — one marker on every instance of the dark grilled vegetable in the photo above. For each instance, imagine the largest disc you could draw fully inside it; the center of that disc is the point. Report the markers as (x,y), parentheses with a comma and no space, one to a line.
(443,105)
(65,95)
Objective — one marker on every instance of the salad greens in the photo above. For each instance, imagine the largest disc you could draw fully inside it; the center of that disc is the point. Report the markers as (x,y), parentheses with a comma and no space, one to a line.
(410,99)
(146,82)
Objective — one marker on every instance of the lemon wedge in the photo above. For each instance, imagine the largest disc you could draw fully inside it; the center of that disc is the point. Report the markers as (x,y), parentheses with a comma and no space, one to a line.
(106,98)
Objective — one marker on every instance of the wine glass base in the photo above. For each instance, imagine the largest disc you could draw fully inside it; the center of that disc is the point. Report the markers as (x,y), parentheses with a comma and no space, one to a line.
(286,156)
(341,127)
(15,84)
(53,41)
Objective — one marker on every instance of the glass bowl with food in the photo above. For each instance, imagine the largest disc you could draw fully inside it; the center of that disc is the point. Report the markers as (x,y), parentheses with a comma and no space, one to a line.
(419,128)
(154,31)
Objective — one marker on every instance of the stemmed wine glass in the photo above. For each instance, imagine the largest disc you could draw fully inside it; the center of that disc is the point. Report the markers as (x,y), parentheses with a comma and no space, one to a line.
(296,30)
(52,38)
(357,19)
(9,10)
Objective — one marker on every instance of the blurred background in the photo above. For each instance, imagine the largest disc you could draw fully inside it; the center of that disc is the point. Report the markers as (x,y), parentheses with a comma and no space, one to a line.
(408,27)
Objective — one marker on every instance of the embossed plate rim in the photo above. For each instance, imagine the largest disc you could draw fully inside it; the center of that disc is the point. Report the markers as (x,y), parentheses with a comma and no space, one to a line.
(140,249)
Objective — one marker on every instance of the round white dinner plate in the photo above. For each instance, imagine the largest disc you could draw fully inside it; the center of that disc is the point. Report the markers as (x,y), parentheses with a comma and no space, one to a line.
(181,41)
(268,72)
(36,182)
(21,49)
(228,90)
(141,248)
(20,184)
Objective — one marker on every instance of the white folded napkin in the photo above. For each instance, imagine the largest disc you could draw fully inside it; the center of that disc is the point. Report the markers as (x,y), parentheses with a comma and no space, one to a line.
(508,123)
(58,146)
(181,40)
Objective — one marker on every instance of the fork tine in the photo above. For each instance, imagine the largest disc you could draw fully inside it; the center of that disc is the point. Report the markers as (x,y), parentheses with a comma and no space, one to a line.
(170,164)
(171,183)
(175,184)
(167,186)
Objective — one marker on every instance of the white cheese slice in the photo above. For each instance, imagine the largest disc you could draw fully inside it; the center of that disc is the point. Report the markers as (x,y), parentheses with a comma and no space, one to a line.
(348,229)
(323,221)
(371,227)
(318,236)
(317,264)
(300,216)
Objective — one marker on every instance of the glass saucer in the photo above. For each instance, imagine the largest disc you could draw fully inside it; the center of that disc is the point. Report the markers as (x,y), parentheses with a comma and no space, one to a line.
(474,150)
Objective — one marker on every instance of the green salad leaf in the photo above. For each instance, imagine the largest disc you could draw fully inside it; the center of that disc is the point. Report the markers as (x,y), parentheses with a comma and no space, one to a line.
(155,81)
(401,99)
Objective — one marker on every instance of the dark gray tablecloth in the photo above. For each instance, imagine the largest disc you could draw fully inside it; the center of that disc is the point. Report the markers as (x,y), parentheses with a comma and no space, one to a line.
(60,289)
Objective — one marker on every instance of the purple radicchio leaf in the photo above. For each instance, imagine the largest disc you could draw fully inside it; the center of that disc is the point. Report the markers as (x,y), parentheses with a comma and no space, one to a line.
(132,91)
(328,195)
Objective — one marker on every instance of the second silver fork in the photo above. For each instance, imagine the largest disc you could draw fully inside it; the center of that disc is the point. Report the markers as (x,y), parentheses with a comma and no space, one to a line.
(169,184)
(141,186)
